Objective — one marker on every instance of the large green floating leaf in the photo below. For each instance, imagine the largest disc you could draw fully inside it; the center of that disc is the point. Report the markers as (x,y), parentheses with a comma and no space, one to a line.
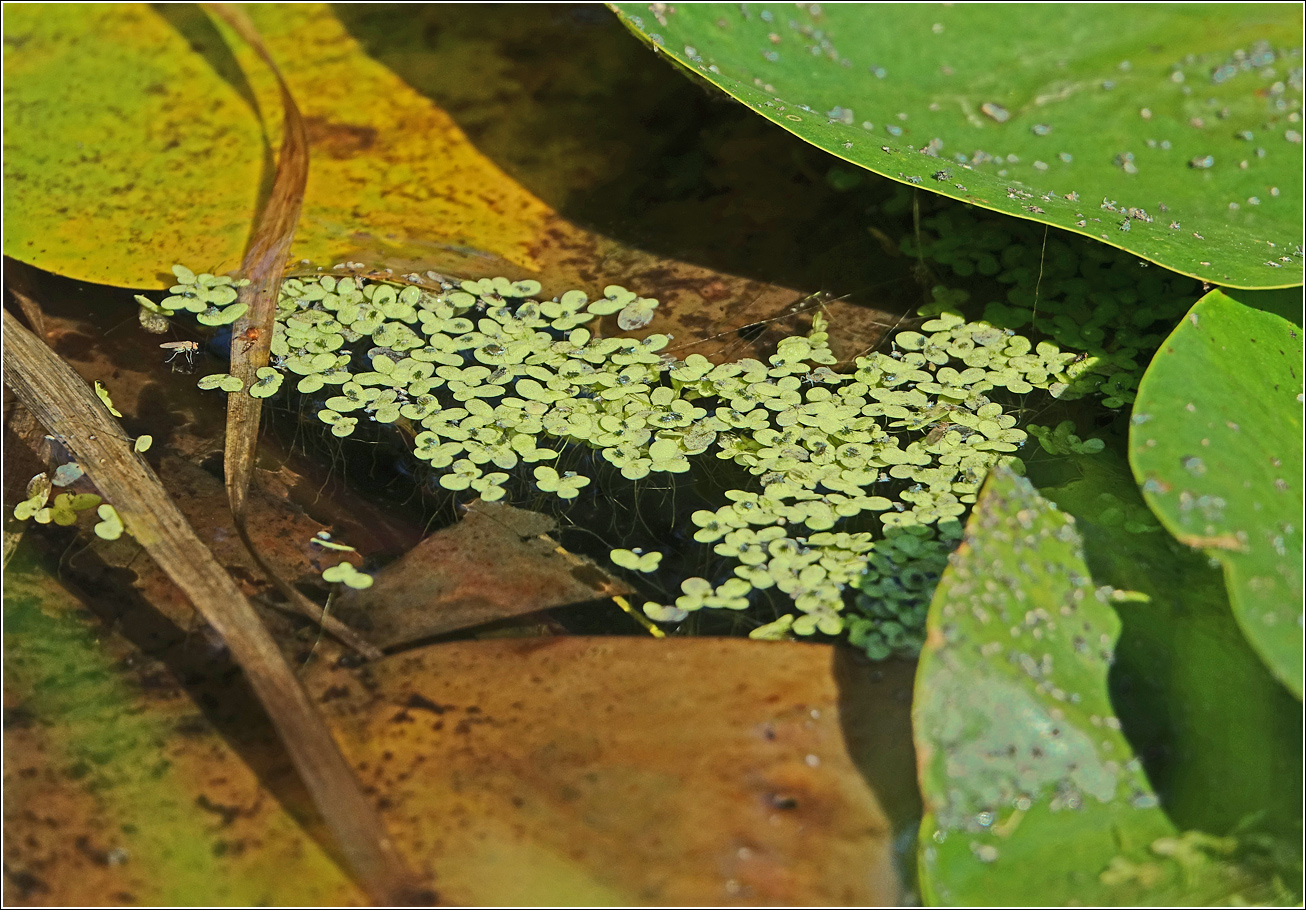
(1032,792)
(1216,443)
(1219,735)
(1188,115)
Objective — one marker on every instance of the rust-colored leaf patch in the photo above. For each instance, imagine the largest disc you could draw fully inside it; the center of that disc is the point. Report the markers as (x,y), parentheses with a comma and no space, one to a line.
(634,771)
(559,771)
(496,563)
(125,787)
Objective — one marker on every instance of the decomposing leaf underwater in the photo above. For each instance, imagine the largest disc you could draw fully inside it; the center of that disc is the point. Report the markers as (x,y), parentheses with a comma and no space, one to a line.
(38,494)
(67,474)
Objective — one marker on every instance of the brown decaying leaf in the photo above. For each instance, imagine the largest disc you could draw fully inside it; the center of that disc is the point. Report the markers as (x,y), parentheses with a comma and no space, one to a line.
(568,771)
(167,793)
(626,770)
(153,408)
(285,538)
(495,563)
(61,401)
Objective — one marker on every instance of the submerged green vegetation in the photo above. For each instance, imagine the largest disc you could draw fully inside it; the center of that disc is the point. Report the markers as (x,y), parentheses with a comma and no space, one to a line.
(856,480)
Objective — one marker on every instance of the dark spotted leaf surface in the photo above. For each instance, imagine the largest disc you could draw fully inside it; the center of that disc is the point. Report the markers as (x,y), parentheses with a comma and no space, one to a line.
(1031,789)
(129,790)
(1216,444)
(1072,115)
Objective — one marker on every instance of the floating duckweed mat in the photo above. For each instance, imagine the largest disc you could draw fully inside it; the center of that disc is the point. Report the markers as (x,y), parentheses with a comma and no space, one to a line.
(842,492)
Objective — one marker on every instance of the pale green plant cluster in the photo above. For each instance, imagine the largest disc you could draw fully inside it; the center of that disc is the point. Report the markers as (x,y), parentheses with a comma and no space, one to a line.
(1086,296)
(210,298)
(917,424)
(66,507)
(345,573)
(1061,440)
(62,511)
(860,478)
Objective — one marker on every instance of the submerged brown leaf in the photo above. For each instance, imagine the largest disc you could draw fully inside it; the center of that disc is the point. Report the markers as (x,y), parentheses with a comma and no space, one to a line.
(633,771)
(496,563)
(565,771)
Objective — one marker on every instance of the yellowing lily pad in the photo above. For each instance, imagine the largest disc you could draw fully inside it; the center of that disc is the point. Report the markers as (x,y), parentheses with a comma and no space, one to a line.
(172,109)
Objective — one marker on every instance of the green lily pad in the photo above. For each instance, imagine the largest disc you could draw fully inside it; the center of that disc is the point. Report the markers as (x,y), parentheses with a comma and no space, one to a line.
(268,382)
(1031,789)
(1220,737)
(1172,132)
(1215,442)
